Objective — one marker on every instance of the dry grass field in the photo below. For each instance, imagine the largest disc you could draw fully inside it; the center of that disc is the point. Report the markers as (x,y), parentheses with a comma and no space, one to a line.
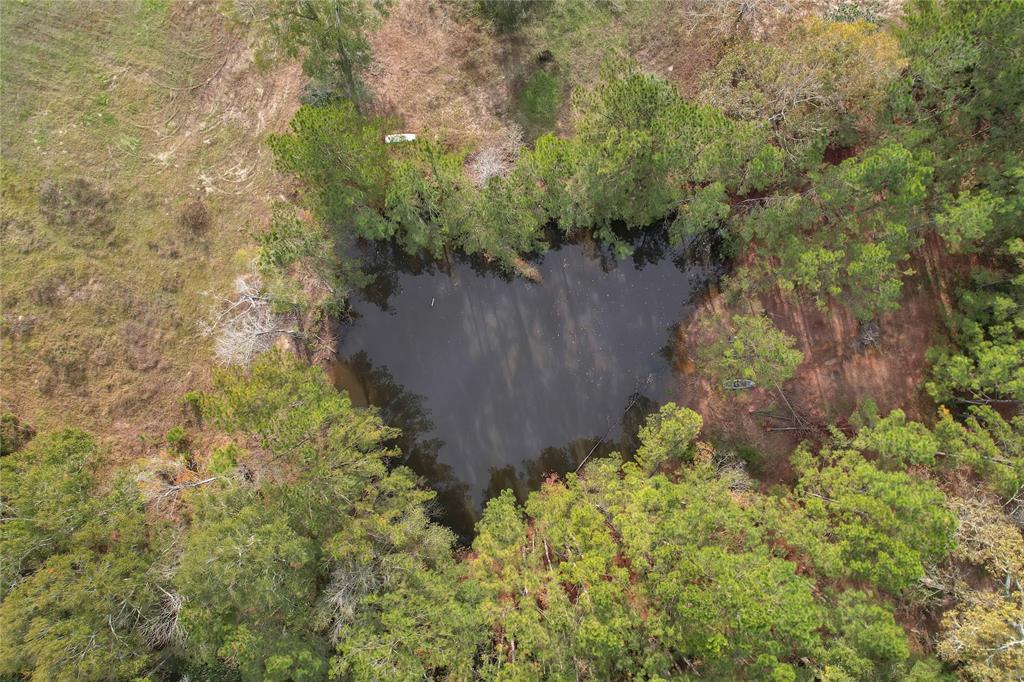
(117,116)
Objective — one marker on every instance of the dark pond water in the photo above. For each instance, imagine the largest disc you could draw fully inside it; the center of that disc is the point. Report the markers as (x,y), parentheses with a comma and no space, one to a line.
(499,382)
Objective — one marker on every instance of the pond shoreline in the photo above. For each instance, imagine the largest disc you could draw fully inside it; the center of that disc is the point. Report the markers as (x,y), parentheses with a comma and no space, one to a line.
(498,382)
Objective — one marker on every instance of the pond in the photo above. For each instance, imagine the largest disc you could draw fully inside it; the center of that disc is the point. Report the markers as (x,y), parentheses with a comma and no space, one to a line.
(500,382)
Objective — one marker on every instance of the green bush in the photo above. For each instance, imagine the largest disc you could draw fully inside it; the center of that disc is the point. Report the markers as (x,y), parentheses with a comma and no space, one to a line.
(177,440)
(13,434)
(223,460)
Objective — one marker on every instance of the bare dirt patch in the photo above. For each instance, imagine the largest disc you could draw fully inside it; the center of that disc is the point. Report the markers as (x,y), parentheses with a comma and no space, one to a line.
(838,370)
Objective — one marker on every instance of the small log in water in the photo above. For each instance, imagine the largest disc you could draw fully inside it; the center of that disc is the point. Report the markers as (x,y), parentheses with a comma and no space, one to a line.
(526,270)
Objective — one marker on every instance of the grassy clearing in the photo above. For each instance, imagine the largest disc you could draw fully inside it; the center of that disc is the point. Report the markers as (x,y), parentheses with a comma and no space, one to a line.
(538,103)
(116,115)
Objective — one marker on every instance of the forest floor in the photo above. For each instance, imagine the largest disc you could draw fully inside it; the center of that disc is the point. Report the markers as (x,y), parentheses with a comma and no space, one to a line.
(117,115)
(838,372)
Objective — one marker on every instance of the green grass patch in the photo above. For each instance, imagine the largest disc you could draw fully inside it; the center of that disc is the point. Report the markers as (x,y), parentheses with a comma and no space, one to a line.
(538,102)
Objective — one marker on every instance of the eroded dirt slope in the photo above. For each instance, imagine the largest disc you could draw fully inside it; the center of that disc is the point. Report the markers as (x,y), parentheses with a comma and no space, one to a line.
(838,370)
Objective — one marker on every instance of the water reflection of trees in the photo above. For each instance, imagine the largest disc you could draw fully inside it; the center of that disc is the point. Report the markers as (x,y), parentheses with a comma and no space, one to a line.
(454,505)
(384,263)
(560,460)
(405,410)
(703,256)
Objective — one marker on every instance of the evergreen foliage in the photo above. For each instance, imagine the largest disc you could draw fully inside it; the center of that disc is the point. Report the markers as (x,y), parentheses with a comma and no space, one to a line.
(888,525)
(847,236)
(341,158)
(330,36)
(622,574)
(77,566)
(757,350)
(304,564)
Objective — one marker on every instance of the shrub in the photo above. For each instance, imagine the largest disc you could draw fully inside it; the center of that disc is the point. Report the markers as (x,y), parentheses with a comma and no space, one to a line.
(194,406)
(13,434)
(194,216)
(177,440)
(223,460)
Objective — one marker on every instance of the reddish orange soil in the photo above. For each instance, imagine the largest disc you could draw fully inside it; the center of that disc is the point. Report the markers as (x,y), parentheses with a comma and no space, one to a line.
(836,372)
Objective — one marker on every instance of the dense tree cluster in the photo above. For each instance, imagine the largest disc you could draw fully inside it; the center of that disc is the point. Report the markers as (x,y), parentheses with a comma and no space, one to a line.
(77,565)
(299,552)
(640,153)
(331,36)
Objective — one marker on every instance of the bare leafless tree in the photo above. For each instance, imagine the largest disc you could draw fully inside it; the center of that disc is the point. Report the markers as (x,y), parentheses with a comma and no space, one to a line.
(733,471)
(497,158)
(164,627)
(338,602)
(246,324)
